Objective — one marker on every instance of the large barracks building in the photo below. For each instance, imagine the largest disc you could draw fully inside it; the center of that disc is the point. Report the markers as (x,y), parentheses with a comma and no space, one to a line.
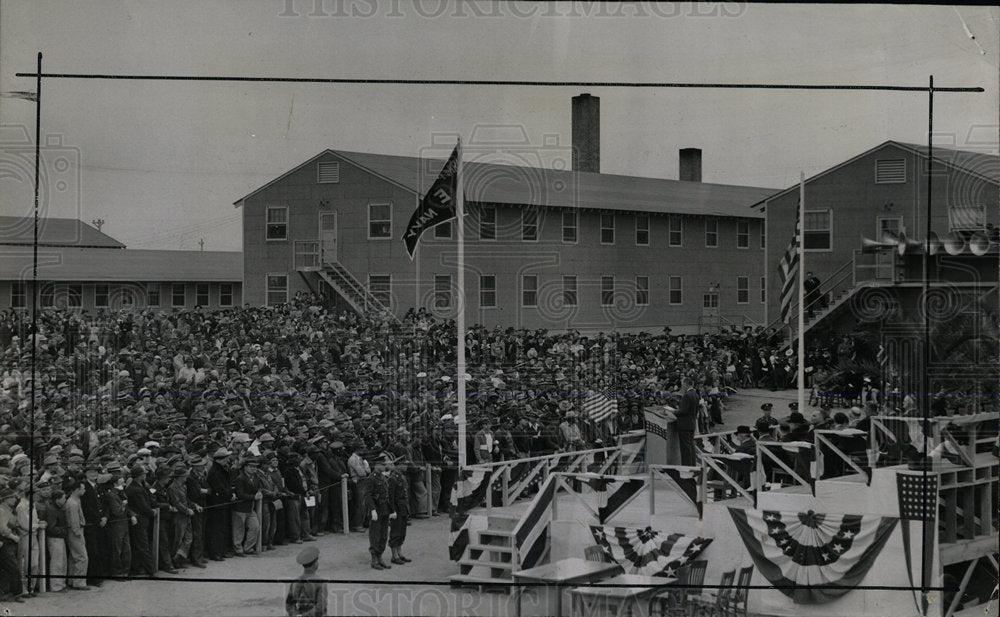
(545,247)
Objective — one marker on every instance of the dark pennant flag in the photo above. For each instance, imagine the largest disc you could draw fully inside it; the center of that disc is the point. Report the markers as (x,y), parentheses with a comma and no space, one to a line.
(437,206)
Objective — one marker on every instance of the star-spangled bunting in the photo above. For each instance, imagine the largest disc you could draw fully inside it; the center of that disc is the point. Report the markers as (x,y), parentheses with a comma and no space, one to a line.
(812,558)
(645,551)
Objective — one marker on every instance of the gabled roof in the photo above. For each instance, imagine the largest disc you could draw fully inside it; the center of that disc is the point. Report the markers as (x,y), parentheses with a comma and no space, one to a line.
(536,186)
(20,230)
(979,164)
(73,264)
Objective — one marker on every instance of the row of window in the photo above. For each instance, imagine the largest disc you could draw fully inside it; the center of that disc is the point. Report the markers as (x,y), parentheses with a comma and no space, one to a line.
(125,296)
(380,227)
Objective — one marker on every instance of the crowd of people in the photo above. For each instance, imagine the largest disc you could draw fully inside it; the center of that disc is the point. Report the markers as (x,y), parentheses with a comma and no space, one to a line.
(200,415)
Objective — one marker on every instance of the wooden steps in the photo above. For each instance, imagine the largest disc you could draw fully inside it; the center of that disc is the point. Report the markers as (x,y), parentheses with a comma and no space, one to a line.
(491,556)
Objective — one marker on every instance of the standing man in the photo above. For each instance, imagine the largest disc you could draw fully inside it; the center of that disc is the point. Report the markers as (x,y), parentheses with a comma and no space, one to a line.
(360,477)
(380,507)
(96,519)
(76,544)
(245,523)
(10,571)
(687,417)
(220,496)
(119,521)
(55,539)
(161,498)
(811,285)
(766,423)
(180,545)
(196,494)
(399,494)
(307,597)
(140,502)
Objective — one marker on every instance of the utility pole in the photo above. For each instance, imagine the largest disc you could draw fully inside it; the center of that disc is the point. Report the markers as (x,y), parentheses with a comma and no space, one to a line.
(98,223)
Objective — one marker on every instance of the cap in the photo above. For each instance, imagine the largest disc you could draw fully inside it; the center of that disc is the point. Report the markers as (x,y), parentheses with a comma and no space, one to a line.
(307,556)
(767,406)
(793,406)
(221,453)
(796,418)
(742,430)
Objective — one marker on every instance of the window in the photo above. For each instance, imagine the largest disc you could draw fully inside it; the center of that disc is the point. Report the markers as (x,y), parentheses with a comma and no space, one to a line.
(153,295)
(642,229)
(487,223)
(742,234)
(818,230)
(487,291)
(201,294)
(442,291)
(763,235)
(607,290)
(890,171)
(607,229)
(569,290)
(674,289)
(48,295)
(178,296)
(379,221)
(742,290)
(529,225)
(529,290)
(710,300)
(277,289)
(101,293)
(641,290)
(277,223)
(966,218)
(763,290)
(676,228)
(328,172)
(307,255)
(569,226)
(380,287)
(18,294)
(226,294)
(127,295)
(711,233)
(74,296)
(443,230)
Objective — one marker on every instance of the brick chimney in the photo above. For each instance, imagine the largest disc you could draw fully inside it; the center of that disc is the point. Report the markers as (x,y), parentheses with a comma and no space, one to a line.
(587,133)
(690,164)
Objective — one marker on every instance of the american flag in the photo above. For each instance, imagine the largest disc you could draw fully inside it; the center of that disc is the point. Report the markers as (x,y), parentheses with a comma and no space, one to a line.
(787,269)
(601,406)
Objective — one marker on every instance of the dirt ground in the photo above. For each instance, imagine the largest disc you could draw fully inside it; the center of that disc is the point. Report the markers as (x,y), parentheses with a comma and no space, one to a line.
(257,585)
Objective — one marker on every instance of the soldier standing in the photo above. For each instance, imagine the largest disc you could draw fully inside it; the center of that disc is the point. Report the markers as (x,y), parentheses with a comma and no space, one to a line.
(306,596)
(380,507)
(399,495)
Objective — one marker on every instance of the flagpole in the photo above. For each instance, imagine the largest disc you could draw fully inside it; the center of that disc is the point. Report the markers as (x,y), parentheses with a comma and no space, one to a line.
(460,319)
(802,294)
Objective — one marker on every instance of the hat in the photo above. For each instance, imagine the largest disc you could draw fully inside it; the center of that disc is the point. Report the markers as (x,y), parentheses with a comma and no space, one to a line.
(856,411)
(307,556)
(51,459)
(138,470)
(195,461)
(793,406)
(221,453)
(265,437)
(337,444)
(152,444)
(767,406)
(796,418)
(742,430)
(104,478)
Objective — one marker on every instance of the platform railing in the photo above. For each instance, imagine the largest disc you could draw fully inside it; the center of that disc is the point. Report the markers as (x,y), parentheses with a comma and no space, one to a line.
(824,443)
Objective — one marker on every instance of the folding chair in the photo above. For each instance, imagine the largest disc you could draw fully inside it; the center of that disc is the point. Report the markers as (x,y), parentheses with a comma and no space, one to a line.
(711,605)
(737,606)
(690,580)
(596,553)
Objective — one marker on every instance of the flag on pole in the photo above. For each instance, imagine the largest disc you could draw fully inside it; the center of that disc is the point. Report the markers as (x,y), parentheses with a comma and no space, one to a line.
(917,494)
(787,271)
(437,206)
(601,406)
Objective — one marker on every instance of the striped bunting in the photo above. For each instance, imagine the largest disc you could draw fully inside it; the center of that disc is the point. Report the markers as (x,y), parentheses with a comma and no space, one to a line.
(470,491)
(643,551)
(812,558)
(688,481)
(619,491)
(787,271)
(459,536)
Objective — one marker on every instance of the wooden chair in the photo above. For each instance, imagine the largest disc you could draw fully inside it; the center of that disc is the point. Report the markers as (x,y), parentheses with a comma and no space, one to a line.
(737,606)
(711,605)
(596,553)
(689,583)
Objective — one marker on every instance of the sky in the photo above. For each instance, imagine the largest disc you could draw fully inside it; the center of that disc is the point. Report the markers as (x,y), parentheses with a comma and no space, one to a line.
(162,162)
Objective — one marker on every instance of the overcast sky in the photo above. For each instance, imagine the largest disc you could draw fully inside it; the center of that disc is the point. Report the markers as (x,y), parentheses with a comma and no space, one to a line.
(162,162)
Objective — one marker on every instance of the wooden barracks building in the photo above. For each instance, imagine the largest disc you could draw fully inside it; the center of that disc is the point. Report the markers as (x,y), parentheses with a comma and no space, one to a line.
(79,267)
(545,247)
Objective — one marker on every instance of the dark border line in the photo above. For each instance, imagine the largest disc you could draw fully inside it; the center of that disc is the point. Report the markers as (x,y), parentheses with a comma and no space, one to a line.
(495,82)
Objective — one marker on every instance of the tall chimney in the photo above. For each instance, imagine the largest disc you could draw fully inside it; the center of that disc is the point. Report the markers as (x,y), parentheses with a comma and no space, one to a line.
(587,133)
(690,164)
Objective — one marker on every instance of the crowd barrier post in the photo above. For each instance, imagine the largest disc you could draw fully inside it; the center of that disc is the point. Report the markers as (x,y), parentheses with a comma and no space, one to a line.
(156,540)
(259,507)
(652,493)
(506,485)
(429,480)
(344,506)
(43,566)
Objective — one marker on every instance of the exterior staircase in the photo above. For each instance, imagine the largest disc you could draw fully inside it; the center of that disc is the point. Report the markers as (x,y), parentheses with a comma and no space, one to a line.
(349,288)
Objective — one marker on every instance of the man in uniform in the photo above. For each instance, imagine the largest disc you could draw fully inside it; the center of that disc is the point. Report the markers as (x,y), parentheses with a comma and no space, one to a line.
(380,506)
(399,494)
(764,424)
(306,597)
(687,417)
